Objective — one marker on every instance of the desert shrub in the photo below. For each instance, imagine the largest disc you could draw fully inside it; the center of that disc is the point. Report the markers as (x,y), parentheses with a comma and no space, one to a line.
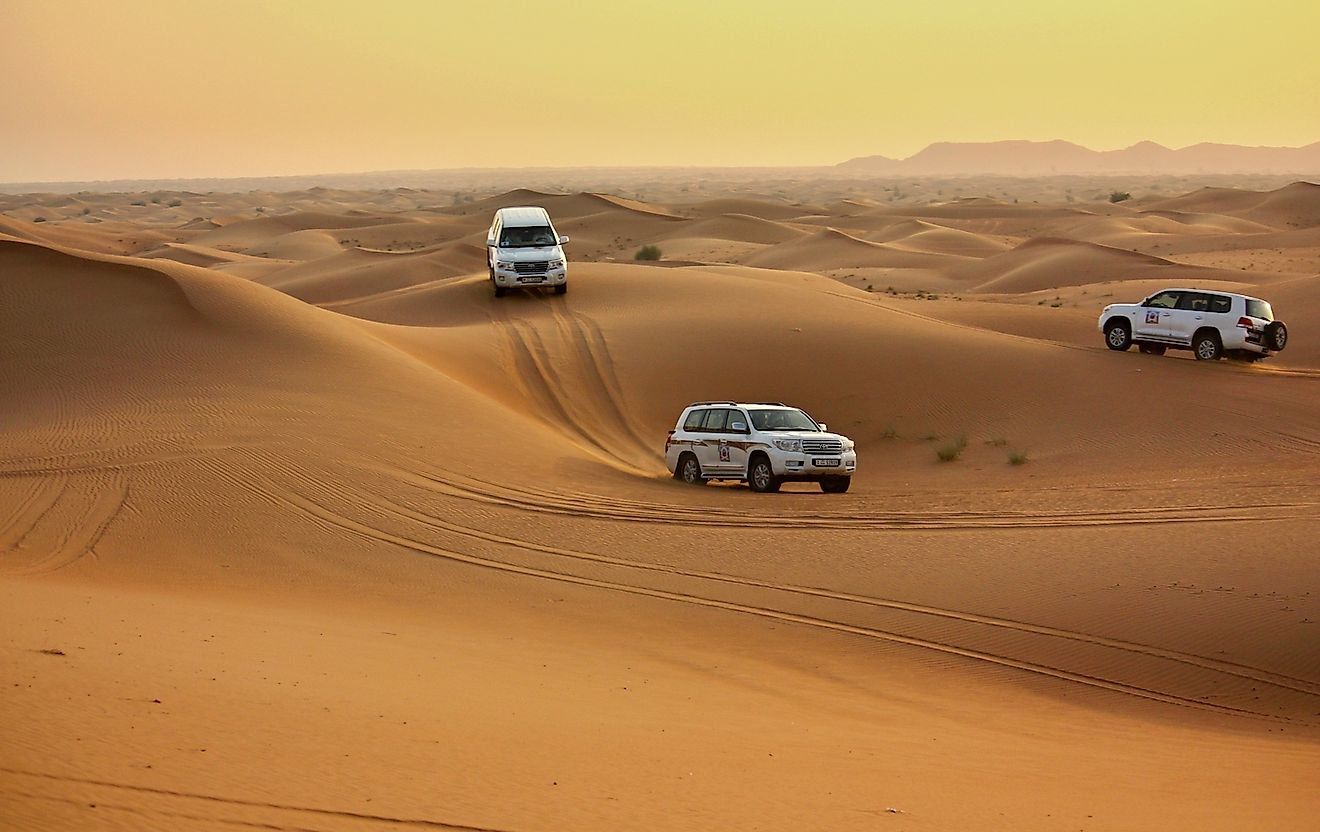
(1119,196)
(950,451)
(175,203)
(647,253)
(38,219)
(890,432)
(1017,458)
(138,202)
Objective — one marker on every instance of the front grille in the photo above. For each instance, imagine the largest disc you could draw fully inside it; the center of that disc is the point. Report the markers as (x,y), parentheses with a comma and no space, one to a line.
(822,446)
(535,267)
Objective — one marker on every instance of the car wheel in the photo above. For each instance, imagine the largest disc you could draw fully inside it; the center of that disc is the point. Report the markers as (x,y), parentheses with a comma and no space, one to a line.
(835,485)
(1276,336)
(1151,349)
(689,470)
(761,477)
(1118,337)
(499,290)
(1207,347)
(562,288)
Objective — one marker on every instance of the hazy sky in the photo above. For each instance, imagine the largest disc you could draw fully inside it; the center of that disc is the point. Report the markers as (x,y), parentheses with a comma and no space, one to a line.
(115,89)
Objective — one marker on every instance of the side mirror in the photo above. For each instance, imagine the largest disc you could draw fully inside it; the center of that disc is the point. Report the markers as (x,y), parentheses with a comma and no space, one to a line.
(563,238)
(823,427)
(739,427)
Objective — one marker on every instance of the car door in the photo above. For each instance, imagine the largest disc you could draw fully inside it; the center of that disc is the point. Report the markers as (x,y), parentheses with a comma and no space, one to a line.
(1188,315)
(708,438)
(736,441)
(1155,316)
(728,454)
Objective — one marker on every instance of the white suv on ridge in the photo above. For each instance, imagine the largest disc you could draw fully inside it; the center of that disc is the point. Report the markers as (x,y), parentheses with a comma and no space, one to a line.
(523,250)
(764,444)
(1209,323)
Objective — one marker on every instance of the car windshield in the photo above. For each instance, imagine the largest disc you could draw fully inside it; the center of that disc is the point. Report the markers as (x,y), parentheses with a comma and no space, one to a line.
(1259,309)
(527,236)
(787,419)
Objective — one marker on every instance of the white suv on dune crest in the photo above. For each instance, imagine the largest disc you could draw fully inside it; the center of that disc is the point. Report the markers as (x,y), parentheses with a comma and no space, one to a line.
(524,251)
(1209,323)
(763,444)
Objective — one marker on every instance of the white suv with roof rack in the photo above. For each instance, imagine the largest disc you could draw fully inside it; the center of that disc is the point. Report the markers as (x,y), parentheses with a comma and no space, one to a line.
(1211,324)
(524,251)
(763,444)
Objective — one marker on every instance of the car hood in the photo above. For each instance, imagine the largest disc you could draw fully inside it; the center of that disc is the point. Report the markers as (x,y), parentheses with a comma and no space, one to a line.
(532,253)
(806,434)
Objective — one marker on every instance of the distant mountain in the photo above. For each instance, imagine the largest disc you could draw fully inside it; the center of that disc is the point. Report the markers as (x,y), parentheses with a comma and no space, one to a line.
(1023,158)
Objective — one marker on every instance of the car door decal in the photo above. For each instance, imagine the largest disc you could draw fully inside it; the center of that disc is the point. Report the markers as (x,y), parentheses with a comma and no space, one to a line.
(1153,316)
(724,451)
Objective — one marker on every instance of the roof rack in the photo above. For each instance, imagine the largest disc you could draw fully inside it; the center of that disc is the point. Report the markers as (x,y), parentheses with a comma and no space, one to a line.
(698,404)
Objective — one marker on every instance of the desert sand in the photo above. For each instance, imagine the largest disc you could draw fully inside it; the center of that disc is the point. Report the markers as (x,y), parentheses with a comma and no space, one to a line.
(300,528)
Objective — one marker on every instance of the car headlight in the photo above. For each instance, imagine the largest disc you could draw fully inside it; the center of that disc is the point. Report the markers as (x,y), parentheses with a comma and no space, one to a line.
(500,264)
(556,264)
(788,444)
(848,444)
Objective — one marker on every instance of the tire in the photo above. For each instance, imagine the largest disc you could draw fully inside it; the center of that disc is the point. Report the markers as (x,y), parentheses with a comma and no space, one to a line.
(761,476)
(689,470)
(562,288)
(1151,349)
(1206,346)
(835,485)
(499,291)
(1118,337)
(1276,336)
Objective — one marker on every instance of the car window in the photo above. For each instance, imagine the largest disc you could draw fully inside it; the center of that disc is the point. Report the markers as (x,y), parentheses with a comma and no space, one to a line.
(789,418)
(1164,300)
(715,420)
(1220,304)
(1259,309)
(1194,302)
(526,236)
(693,421)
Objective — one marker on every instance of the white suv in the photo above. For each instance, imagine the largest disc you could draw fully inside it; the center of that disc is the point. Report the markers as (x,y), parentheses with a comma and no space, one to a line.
(523,250)
(1209,323)
(764,444)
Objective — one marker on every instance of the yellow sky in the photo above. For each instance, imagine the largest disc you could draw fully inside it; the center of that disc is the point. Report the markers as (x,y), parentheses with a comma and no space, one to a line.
(106,89)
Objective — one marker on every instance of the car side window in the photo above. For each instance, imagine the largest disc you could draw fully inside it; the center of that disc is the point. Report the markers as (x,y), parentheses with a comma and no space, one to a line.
(1164,300)
(693,421)
(1194,302)
(715,420)
(1220,304)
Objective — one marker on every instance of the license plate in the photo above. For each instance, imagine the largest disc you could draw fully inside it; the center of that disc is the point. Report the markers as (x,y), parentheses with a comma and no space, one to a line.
(825,463)
(531,280)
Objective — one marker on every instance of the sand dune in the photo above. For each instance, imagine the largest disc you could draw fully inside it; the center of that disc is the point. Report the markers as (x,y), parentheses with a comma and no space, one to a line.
(1292,206)
(291,522)
(831,249)
(1050,263)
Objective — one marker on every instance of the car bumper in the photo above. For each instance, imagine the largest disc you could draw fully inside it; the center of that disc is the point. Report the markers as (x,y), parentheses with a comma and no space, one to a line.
(511,280)
(812,467)
(1251,341)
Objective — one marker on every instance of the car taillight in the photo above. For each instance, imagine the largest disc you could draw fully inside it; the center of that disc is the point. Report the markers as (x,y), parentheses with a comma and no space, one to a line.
(1245,323)
(669,440)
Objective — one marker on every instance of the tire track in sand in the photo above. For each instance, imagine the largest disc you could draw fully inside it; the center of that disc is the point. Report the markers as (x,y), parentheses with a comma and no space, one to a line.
(416,531)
